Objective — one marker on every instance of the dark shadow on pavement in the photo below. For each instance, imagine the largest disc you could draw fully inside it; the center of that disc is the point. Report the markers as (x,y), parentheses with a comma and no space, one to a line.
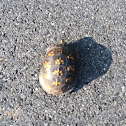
(92,60)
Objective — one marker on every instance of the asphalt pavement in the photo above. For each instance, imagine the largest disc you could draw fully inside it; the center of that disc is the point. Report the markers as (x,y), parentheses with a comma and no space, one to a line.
(95,29)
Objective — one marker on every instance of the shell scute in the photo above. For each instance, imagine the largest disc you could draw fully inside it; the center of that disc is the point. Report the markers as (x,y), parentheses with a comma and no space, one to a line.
(57,75)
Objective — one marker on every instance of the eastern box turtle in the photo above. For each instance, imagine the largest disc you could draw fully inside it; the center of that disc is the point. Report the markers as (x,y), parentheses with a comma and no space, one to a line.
(57,75)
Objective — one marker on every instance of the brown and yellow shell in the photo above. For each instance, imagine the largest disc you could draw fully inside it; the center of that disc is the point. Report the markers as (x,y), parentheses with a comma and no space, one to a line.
(57,75)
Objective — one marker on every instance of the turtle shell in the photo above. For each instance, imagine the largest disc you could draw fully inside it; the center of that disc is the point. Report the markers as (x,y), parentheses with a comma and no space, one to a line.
(57,75)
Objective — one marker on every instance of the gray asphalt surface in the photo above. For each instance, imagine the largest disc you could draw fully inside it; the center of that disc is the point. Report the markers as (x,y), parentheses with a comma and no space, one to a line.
(28,27)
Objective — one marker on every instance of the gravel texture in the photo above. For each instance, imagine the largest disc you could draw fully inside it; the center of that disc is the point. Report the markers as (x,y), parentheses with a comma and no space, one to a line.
(95,29)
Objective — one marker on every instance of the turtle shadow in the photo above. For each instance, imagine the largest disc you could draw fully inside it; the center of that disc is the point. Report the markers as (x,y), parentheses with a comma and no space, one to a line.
(92,60)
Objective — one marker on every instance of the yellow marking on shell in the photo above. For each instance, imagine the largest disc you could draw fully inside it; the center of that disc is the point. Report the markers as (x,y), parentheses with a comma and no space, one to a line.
(56,91)
(61,73)
(47,64)
(62,41)
(70,57)
(56,83)
(59,61)
(70,68)
(58,72)
(51,53)
(68,79)
(60,50)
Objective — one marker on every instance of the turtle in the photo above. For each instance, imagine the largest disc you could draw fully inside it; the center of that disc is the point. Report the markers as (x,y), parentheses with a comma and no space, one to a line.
(58,73)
